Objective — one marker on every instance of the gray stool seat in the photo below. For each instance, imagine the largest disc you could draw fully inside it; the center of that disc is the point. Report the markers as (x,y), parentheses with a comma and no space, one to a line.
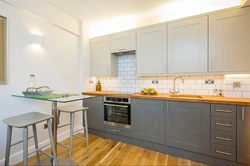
(28,119)
(24,121)
(71,108)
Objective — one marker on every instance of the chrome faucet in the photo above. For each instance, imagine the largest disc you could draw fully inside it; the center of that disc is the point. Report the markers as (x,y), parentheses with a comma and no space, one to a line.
(174,90)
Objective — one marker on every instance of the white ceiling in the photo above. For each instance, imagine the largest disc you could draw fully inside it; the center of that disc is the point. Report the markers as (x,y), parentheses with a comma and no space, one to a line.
(83,9)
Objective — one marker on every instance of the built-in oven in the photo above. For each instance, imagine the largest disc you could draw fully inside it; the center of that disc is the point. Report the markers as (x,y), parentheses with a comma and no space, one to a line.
(117,112)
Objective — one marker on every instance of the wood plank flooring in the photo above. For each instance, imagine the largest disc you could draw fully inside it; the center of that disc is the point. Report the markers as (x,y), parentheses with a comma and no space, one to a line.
(109,152)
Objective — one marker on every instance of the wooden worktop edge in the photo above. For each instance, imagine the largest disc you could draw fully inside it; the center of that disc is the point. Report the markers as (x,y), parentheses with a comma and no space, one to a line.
(204,99)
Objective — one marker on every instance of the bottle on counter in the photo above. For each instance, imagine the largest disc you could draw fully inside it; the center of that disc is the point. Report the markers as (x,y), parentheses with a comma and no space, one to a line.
(32,81)
(98,86)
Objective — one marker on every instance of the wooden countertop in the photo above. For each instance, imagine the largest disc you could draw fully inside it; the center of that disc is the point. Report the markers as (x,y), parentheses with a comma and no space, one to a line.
(204,99)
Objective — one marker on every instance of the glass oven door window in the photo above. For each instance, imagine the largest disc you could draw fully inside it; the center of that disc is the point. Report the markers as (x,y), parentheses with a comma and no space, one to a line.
(117,113)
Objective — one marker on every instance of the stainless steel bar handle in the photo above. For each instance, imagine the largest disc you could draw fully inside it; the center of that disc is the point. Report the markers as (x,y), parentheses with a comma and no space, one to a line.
(123,106)
(223,138)
(167,106)
(242,113)
(223,124)
(224,153)
(225,111)
(115,130)
(161,105)
(122,49)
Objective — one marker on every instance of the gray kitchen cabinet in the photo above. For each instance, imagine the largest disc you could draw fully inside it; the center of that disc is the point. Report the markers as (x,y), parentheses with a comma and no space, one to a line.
(229,41)
(187,126)
(151,53)
(123,41)
(102,62)
(243,134)
(95,112)
(147,120)
(188,45)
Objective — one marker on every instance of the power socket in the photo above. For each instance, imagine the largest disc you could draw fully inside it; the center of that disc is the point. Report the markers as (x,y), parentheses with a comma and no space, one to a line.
(209,81)
(91,81)
(155,81)
(45,126)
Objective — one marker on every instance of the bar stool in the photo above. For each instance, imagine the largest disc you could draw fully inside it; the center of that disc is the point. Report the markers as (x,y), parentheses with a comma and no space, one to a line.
(71,109)
(24,121)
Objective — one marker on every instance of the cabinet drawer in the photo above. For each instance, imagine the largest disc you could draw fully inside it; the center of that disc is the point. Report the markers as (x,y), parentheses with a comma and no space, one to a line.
(223,124)
(224,152)
(118,130)
(223,138)
(221,110)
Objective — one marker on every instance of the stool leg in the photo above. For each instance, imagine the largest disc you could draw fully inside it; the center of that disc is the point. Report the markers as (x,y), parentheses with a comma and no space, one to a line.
(52,142)
(58,117)
(86,130)
(8,144)
(25,146)
(72,119)
(36,144)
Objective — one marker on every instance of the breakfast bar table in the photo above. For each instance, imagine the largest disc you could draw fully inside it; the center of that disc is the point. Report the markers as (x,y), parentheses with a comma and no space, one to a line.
(63,98)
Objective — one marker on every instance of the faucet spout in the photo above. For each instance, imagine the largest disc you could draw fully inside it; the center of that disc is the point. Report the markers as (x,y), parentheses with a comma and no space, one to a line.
(174,90)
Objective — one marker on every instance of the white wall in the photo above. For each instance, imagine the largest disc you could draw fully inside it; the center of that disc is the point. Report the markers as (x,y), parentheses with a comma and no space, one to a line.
(55,65)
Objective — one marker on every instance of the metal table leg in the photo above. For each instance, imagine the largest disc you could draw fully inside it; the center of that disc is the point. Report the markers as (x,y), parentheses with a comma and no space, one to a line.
(60,159)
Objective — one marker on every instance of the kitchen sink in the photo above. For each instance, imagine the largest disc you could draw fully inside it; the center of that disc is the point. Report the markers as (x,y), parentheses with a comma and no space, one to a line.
(186,96)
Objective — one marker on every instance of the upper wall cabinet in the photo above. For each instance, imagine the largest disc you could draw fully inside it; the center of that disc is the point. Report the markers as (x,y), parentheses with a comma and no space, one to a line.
(188,46)
(229,41)
(124,41)
(151,52)
(102,62)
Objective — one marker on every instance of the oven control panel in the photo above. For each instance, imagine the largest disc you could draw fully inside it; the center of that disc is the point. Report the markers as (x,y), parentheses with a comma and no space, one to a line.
(117,100)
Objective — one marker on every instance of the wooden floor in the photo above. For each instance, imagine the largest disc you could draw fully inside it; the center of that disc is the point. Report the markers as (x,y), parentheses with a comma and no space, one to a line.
(110,152)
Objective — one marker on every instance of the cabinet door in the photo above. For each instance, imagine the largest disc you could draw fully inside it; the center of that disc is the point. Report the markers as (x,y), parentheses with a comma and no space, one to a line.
(95,112)
(243,134)
(229,41)
(124,41)
(187,126)
(188,46)
(147,119)
(151,52)
(100,57)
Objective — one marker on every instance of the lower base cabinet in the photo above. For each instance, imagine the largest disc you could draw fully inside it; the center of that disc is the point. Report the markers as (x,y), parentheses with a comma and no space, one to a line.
(187,126)
(147,120)
(95,112)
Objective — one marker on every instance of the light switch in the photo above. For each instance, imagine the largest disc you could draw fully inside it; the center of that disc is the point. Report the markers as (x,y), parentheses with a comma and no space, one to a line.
(236,84)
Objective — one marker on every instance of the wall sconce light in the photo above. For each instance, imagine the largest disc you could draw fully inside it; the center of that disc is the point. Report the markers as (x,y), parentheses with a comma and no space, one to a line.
(37,40)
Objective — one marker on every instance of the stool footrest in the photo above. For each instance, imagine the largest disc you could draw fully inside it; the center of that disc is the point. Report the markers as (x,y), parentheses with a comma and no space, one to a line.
(45,153)
(63,125)
(20,141)
(63,145)
(79,137)
(79,130)
(39,149)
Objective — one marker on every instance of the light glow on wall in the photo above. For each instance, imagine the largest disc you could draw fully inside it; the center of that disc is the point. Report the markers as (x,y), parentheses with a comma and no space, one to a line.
(169,11)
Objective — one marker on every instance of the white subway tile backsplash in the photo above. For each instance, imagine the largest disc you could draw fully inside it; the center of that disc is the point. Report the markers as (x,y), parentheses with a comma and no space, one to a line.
(202,92)
(246,94)
(232,94)
(246,81)
(194,84)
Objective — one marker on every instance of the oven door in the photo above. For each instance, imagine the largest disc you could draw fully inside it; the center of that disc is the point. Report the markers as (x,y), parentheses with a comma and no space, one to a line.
(117,115)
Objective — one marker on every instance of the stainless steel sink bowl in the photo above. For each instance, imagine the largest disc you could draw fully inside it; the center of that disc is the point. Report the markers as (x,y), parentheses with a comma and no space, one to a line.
(186,96)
